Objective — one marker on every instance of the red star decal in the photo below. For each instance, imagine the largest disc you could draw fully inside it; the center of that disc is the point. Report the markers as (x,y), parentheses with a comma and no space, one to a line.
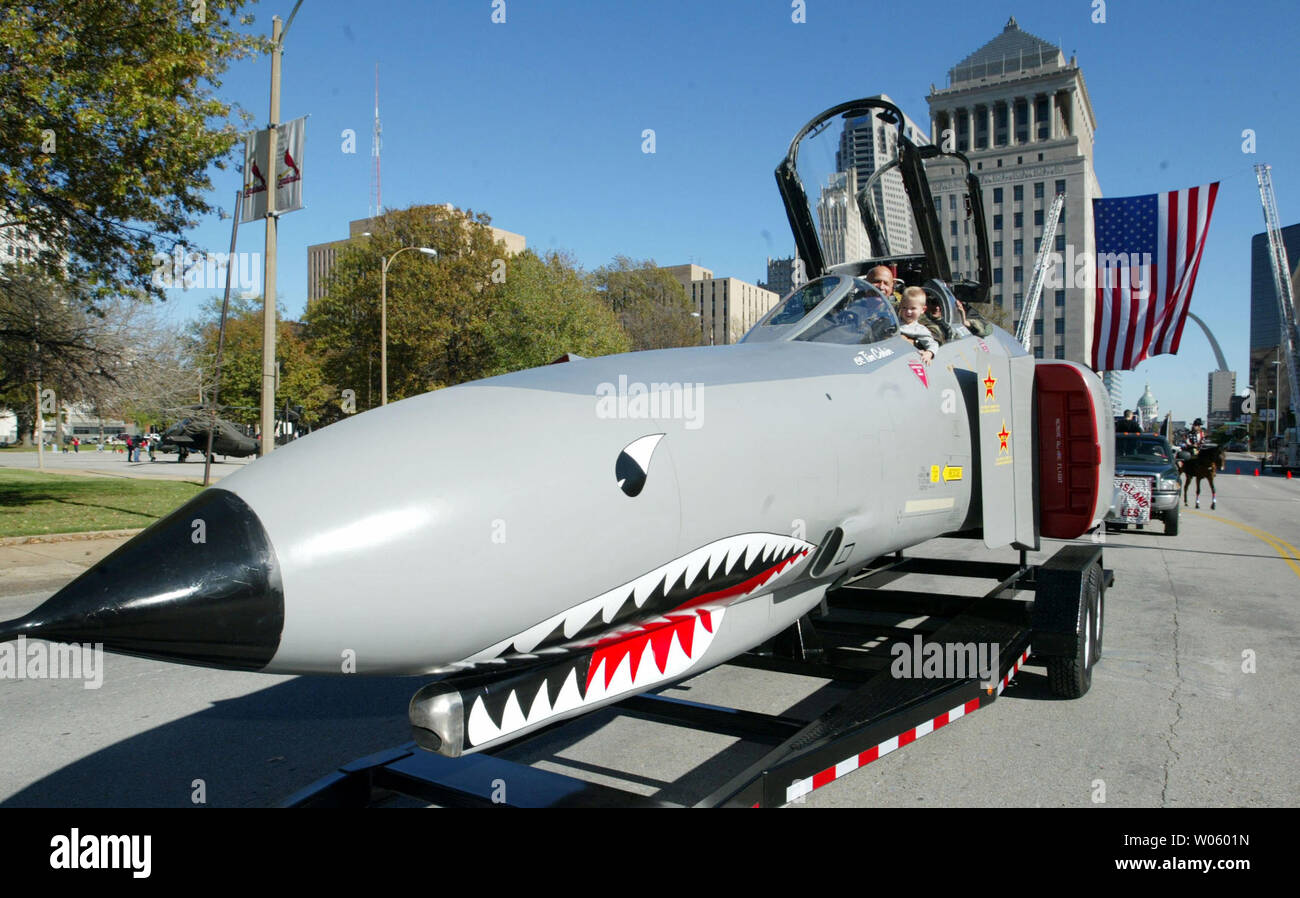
(1003,436)
(988,385)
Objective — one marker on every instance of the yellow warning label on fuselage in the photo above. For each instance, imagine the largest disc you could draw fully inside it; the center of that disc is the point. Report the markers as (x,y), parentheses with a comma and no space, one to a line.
(951,473)
(934,473)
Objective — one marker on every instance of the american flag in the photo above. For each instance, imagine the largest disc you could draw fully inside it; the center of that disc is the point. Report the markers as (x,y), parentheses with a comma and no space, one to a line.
(1148,250)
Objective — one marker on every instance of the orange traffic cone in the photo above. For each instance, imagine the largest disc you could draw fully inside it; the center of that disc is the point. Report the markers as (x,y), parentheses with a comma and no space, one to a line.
(1257,472)
(1288,475)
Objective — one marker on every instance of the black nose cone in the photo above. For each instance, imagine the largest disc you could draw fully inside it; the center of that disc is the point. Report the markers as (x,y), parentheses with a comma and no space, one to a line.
(201,586)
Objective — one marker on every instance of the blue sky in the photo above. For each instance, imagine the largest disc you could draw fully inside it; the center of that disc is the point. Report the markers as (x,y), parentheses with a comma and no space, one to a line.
(538,122)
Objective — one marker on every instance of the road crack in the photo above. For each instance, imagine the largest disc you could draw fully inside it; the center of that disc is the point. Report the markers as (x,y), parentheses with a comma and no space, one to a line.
(1174,695)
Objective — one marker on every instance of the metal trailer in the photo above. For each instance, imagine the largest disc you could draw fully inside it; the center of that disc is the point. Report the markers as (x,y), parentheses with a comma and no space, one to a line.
(1060,627)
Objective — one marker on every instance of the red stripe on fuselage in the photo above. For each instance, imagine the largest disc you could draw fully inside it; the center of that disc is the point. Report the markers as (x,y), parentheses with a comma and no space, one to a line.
(749,585)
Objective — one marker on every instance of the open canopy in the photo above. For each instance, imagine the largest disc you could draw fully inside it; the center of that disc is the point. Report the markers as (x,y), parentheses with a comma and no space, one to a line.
(857,195)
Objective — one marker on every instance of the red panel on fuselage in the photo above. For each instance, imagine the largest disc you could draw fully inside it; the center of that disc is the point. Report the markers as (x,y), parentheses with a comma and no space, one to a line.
(1070,439)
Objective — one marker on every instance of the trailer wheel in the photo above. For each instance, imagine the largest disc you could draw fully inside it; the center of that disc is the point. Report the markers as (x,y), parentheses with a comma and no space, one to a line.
(1071,677)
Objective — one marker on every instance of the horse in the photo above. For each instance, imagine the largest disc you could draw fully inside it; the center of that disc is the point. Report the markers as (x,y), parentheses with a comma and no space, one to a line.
(1202,466)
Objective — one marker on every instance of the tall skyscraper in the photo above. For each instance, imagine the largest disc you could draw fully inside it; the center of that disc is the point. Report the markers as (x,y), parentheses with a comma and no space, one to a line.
(781,275)
(843,237)
(866,144)
(1021,113)
(1222,384)
(1265,331)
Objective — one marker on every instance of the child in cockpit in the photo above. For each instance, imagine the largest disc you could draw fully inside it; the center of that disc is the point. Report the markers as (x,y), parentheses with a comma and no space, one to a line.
(910,309)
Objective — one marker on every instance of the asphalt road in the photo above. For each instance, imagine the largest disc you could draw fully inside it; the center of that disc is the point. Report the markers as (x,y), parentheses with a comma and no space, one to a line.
(1172,718)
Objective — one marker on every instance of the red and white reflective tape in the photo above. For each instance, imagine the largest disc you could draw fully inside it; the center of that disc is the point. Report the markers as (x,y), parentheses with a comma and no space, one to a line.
(1014,669)
(800,788)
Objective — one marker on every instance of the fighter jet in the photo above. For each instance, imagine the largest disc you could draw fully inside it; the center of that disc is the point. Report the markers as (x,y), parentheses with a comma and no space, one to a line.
(190,434)
(583,531)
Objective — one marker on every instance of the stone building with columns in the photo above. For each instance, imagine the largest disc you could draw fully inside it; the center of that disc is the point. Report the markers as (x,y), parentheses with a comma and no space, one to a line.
(1020,112)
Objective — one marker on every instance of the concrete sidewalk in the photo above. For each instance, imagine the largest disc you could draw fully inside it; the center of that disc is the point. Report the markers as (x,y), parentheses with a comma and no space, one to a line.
(33,566)
(109,464)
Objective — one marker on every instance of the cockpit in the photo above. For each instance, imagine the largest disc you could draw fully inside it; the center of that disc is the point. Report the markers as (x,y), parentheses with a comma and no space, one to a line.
(831,309)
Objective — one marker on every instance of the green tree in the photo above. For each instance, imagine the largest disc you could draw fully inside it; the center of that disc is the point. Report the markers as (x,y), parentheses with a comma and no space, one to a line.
(549,308)
(117,359)
(109,126)
(996,315)
(302,381)
(438,308)
(43,334)
(651,305)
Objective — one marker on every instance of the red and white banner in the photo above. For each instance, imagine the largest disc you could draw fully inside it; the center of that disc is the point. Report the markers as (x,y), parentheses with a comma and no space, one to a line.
(291,136)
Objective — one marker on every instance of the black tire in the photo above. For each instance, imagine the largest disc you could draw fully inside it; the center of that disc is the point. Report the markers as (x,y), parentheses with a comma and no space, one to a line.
(1171,522)
(1071,677)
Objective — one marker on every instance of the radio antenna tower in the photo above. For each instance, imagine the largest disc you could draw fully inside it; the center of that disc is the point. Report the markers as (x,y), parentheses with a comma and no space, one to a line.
(376,184)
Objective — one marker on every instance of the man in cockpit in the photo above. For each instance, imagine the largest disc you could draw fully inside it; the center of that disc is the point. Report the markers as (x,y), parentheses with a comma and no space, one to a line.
(882,278)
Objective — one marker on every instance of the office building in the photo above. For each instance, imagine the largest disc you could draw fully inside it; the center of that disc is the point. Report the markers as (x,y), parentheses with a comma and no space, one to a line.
(843,237)
(1269,380)
(1222,384)
(1021,113)
(727,307)
(782,275)
(866,144)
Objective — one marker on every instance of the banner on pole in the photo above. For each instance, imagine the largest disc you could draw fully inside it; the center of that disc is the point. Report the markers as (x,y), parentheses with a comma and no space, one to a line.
(290,139)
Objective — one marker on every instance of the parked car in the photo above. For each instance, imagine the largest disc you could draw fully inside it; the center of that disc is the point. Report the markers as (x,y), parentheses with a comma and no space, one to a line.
(1239,446)
(1146,466)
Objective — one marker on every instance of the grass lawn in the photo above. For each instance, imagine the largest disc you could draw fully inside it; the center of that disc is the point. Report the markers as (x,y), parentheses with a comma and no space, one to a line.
(32,503)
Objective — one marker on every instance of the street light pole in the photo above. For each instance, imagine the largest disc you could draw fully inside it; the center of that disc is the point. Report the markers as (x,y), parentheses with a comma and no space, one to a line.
(383,317)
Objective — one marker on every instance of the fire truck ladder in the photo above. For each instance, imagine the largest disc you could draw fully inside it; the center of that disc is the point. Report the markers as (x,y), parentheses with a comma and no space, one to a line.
(1281,282)
(1039,274)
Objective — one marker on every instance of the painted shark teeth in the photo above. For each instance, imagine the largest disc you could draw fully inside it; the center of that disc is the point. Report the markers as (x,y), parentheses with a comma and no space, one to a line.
(672,585)
(661,650)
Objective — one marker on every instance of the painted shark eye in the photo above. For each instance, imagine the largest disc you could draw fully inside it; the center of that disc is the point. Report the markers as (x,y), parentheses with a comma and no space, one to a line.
(634,462)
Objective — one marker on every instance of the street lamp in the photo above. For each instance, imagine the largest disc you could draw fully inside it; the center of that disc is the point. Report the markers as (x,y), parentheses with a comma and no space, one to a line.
(383,315)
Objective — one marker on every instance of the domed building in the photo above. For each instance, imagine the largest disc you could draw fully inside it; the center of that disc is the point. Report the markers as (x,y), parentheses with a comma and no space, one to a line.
(1148,411)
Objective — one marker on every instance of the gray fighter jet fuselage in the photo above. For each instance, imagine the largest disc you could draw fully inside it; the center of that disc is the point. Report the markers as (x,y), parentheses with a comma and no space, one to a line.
(596,528)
